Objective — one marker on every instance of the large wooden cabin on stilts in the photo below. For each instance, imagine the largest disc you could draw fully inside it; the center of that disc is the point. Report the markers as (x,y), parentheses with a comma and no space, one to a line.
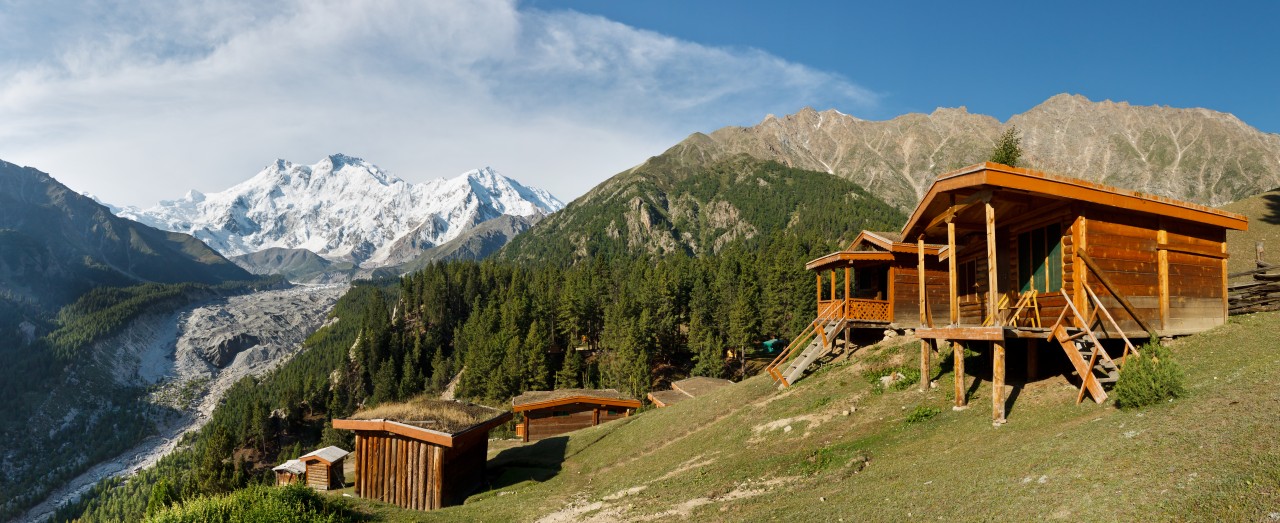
(1016,257)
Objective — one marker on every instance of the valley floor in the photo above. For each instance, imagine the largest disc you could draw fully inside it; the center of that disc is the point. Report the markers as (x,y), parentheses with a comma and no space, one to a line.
(171,355)
(829,449)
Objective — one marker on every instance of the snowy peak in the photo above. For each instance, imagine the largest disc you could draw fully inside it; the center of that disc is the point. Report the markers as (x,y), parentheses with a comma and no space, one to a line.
(344,208)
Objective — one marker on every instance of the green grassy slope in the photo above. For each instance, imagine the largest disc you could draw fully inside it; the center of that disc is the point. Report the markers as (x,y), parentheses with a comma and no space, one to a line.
(1214,455)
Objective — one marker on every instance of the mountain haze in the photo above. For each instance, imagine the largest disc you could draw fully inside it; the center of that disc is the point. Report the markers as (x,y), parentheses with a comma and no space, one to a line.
(55,244)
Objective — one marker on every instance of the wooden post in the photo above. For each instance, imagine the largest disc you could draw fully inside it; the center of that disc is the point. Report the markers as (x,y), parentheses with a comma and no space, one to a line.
(924,344)
(957,352)
(993,290)
(1033,358)
(1162,259)
(951,271)
(848,275)
(1257,247)
(359,463)
(818,303)
(833,285)
(997,383)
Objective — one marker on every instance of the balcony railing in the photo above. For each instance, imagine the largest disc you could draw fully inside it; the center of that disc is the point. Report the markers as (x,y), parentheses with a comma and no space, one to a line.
(856,309)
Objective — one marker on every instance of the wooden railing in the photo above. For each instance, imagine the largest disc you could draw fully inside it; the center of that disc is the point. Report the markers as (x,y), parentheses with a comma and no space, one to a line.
(828,311)
(858,309)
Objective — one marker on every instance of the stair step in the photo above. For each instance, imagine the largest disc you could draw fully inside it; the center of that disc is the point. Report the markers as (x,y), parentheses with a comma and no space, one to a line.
(1107,379)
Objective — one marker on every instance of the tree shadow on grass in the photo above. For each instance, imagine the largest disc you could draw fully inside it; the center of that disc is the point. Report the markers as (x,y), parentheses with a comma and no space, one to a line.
(538,462)
(1272,201)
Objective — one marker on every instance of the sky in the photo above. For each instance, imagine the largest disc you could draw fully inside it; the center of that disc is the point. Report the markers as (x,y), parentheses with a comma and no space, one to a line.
(142,100)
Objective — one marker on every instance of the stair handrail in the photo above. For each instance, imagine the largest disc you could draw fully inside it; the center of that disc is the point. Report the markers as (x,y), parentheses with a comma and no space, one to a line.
(1097,302)
(1087,374)
(824,315)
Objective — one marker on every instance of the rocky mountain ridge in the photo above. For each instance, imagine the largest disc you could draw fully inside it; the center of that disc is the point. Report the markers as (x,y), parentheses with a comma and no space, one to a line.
(1199,155)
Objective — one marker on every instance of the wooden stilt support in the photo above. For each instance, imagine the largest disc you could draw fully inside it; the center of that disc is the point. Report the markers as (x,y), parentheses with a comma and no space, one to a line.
(957,352)
(924,344)
(997,383)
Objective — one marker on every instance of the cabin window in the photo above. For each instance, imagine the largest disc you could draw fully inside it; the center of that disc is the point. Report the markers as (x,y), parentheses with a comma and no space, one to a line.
(612,412)
(1040,259)
(558,413)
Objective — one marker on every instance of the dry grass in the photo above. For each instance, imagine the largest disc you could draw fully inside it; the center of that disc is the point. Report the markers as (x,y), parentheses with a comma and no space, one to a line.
(537,396)
(431,413)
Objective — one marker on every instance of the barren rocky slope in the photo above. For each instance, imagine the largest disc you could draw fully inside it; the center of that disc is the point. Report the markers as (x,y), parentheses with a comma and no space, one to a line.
(188,360)
(1192,154)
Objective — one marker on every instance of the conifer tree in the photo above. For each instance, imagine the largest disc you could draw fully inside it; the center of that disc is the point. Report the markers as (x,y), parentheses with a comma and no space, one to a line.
(1008,149)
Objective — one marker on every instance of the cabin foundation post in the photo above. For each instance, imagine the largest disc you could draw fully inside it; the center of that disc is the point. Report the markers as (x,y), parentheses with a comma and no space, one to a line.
(957,352)
(924,318)
(997,383)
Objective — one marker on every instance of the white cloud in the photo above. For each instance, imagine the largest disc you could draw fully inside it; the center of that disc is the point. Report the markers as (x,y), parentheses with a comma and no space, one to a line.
(140,101)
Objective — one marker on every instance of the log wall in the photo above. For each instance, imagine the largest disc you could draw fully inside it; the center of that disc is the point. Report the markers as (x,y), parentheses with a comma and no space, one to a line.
(906,293)
(553,421)
(399,470)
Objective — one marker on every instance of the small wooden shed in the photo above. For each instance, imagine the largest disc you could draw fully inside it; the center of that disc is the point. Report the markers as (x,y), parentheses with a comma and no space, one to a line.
(685,389)
(552,412)
(324,468)
(422,454)
(289,472)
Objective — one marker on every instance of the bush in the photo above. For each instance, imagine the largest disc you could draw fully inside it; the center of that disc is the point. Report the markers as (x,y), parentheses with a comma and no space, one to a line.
(1149,379)
(289,504)
(922,414)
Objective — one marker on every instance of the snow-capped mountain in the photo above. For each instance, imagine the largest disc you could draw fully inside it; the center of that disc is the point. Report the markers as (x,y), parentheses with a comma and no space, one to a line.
(344,208)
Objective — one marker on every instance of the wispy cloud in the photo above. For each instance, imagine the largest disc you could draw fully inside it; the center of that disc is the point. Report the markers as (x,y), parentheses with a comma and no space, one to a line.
(137,101)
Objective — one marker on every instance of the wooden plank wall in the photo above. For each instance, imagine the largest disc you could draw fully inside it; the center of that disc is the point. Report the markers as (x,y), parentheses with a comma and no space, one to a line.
(1124,246)
(464,466)
(399,470)
(317,475)
(906,298)
(1195,281)
(543,423)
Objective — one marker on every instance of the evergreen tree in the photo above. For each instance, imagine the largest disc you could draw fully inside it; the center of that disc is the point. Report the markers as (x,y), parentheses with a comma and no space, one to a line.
(1008,149)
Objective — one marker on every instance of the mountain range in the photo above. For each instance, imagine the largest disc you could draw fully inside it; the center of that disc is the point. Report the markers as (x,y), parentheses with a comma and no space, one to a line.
(1198,155)
(344,209)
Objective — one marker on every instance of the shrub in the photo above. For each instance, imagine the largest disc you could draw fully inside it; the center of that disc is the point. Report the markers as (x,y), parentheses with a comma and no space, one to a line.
(289,504)
(1149,379)
(922,413)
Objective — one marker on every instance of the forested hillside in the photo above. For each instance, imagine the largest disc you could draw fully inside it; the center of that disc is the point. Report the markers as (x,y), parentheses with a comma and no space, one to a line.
(643,319)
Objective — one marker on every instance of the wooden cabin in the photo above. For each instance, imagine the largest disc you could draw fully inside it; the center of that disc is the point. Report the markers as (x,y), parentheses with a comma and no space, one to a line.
(869,286)
(324,468)
(547,413)
(289,472)
(1030,257)
(423,454)
(686,389)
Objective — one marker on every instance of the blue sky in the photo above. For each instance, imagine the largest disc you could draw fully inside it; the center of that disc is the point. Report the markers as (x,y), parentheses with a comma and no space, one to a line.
(1000,58)
(141,100)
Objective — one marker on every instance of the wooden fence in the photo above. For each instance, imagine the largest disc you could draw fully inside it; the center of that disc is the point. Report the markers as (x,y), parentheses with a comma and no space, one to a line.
(1256,290)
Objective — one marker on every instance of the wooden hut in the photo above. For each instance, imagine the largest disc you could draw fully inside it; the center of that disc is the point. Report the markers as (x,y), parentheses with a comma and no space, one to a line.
(1031,256)
(871,286)
(289,472)
(549,413)
(422,454)
(686,389)
(324,468)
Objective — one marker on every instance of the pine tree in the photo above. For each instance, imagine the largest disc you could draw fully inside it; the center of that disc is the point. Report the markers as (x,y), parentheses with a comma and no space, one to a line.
(1008,149)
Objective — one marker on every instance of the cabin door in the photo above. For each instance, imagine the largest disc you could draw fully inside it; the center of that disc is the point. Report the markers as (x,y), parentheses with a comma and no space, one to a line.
(872,283)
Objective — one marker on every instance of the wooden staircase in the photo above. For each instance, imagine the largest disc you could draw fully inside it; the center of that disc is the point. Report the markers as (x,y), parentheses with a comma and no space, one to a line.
(1092,363)
(817,339)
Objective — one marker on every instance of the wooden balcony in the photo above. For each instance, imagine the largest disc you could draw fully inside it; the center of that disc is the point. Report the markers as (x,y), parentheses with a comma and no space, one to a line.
(856,309)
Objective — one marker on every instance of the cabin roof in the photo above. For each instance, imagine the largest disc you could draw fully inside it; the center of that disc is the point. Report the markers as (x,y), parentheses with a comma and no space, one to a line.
(666,398)
(423,419)
(329,455)
(540,399)
(292,466)
(999,177)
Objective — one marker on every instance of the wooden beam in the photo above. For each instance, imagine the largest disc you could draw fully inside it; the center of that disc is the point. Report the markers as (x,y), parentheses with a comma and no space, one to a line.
(925,349)
(957,352)
(1124,302)
(848,275)
(997,383)
(962,333)
(1208,252)
(993,291)
(924,344)
(982,196)
(920,279)
(951,273)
